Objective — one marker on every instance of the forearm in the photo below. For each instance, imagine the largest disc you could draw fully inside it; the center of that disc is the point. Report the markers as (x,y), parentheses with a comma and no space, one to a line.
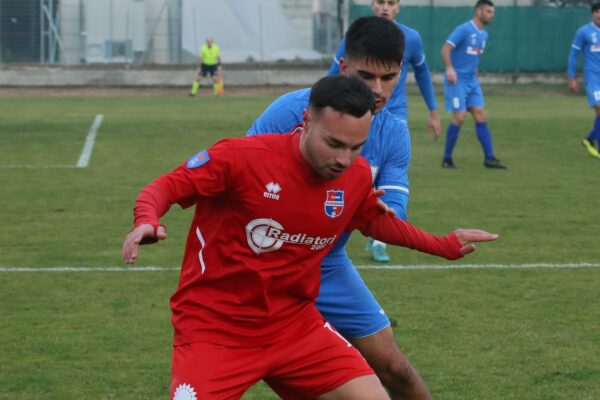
(151,204)
(423,78)
(571,70)
(393,230)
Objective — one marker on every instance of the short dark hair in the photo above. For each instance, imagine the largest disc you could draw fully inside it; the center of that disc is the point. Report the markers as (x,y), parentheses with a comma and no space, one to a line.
(375,39)
(481,3)
(348,95)
(595,7)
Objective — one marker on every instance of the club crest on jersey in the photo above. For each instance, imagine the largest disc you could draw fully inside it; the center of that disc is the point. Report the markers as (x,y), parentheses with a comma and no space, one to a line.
(198,160)
(334,203)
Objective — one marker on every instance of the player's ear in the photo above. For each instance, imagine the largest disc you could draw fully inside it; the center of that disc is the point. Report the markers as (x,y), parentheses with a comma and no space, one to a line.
(343,66)
(306,118)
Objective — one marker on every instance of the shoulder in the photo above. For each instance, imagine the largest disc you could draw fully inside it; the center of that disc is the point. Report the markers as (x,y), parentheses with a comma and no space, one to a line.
(409,33)
(390,130)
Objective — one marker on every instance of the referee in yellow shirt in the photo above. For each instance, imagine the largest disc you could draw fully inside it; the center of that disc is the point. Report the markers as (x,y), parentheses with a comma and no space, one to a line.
(209,62)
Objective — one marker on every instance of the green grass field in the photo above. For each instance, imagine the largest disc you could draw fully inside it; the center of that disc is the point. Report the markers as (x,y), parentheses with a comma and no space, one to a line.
(513,333)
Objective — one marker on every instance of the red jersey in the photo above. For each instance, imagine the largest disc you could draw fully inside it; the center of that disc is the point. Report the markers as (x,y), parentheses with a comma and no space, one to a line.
(263,221)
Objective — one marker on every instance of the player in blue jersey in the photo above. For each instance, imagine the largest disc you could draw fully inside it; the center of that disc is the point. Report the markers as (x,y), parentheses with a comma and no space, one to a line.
(462,91)
(414,56)
(587,40)
(344,299)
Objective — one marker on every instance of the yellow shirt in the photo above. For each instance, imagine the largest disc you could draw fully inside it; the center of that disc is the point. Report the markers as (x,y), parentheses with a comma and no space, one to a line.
(209,55)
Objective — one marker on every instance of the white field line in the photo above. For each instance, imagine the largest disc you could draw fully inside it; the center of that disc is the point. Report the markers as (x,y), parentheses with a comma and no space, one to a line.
(86,153)
(84,158)
(386,267)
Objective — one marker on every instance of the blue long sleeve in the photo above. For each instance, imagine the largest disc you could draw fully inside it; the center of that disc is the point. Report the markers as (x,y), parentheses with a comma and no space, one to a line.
(571,71)
(423,78)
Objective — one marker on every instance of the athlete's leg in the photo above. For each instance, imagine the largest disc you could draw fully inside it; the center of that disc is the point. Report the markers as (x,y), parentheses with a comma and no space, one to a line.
(391,366)
(365,387)
(347,303)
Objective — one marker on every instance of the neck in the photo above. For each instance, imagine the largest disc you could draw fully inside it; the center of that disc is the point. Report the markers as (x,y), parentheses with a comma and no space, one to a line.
(478,23)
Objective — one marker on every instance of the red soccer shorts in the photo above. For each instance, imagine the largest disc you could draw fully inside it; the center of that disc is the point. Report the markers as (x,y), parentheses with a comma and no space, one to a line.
(301,366)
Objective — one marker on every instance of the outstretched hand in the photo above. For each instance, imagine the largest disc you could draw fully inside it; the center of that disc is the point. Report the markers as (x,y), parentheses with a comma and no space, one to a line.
(143,234)
(467,237)
(381,204)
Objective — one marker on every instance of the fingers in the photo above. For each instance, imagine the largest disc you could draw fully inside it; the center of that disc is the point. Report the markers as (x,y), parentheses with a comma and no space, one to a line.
(468,249)
(143,234)
(474,235)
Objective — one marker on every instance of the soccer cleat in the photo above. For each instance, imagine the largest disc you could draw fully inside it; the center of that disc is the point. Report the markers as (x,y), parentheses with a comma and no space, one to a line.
(369,245)
(493,163)
(591,147)
(192,94)
(448,163)
(379,254)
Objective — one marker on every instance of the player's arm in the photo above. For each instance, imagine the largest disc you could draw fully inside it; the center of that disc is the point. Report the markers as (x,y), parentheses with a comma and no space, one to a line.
(334,69)
(423,78)
(392,176)
(576,47)
(205,174)
(450,72)
(372,221)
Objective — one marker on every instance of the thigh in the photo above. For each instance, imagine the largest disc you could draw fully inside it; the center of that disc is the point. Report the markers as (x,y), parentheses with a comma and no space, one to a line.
(208,371)
(314,362)
(474,97)
(455,97)
(348,304)
(592,89)
(204,69)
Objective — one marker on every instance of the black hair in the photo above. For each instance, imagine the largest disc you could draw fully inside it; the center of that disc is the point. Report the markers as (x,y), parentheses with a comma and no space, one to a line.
(595,7)
(481,3)
(377,40)
(348,95)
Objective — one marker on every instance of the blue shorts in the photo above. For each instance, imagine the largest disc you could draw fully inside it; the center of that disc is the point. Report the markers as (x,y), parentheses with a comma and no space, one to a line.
(463,95)
(346,302)
(592,88)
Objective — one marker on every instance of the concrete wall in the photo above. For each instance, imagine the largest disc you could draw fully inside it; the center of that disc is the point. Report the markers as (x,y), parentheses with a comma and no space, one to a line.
(275,74)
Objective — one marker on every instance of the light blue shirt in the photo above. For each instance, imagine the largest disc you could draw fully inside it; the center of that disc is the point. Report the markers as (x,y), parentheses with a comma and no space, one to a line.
(387,150)
(587,40)
(468,42)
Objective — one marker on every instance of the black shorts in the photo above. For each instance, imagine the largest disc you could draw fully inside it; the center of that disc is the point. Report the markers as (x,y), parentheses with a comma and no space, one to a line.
(206,69)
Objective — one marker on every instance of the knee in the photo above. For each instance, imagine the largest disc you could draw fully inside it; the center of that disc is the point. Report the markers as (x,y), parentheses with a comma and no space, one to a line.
(458,119)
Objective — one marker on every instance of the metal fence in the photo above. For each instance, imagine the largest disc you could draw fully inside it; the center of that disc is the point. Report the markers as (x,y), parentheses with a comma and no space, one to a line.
(155,31)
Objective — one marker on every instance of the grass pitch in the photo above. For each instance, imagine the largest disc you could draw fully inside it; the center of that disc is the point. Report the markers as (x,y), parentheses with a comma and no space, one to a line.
(473,333)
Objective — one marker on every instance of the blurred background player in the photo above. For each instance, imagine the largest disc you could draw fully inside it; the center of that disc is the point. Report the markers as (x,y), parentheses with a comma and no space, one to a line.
(587,39)
(414,56)
(374,52)
(209,63)
(461,54)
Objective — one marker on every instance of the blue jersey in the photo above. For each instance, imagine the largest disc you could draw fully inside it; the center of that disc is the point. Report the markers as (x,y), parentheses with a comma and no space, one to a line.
(587,39)
(468,42)
(413,56)
(387,150)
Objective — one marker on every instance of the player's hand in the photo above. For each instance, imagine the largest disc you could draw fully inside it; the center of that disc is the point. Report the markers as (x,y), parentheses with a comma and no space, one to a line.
(573,85)
(467,237)
(143,234)
(434,125)
(381,204)
(451,75)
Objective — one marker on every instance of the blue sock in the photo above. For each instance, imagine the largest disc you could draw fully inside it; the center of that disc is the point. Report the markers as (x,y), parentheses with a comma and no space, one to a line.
(451,138)
(595,133)
(485,138)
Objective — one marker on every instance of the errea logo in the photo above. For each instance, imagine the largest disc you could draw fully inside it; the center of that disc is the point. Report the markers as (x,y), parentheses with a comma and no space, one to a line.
(273,189)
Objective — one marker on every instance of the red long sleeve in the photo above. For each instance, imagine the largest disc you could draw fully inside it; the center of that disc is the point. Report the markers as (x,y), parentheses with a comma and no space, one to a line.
(393,230)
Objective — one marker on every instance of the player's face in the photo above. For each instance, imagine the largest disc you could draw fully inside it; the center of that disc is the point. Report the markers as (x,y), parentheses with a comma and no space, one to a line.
(596,17)
(332,140)
(386,8)
(485,14)
(380,78)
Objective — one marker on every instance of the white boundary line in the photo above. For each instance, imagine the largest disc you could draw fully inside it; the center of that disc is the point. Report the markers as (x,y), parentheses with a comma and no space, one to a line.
(86,153)
(372,267)
(84,158)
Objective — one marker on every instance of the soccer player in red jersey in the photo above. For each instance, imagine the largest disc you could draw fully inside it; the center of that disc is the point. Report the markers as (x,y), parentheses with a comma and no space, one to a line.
(244,309)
